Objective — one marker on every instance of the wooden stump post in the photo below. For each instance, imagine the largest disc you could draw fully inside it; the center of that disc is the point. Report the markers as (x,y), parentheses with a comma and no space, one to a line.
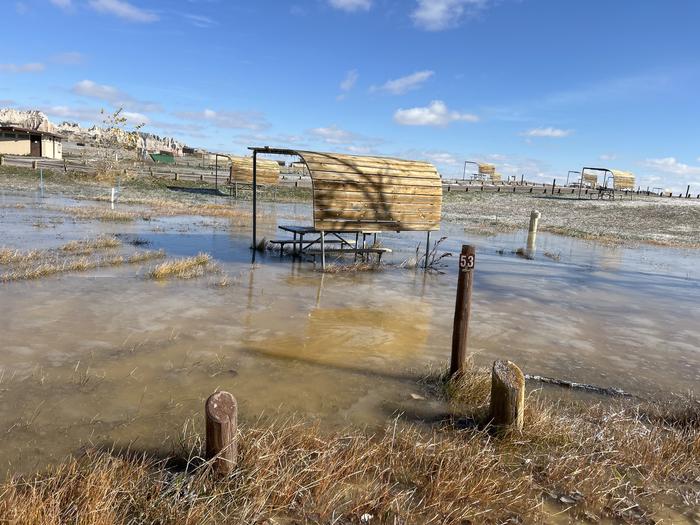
(463,309)
(221,413)
(507,395)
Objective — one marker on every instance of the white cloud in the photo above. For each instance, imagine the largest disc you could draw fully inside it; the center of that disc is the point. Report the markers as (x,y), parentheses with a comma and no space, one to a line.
(437,15)
(435,114)
(608,156)
(200,20)
(550,132)
(250,120)
(442,158)
(333,135)
(351,5)
(344,140)
(349,81)
(76,113)
(32,67)
(134,117)
(671,166)
(113,95)
(399,86)
(123,10)
(88,88)
(63,4)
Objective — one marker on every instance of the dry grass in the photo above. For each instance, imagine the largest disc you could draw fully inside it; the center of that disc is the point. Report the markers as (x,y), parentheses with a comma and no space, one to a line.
(171,207)
(101,214)
(74,256)
(13,256)
(88,246)
(185,268)
(54,266)
(588,462)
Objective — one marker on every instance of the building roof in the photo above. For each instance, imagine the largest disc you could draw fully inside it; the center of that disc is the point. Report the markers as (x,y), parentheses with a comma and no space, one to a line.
(18,129)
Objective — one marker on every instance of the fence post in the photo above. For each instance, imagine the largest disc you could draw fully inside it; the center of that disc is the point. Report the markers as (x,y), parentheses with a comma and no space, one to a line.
(507,395)
(463,309)
(554,183)
(221,413)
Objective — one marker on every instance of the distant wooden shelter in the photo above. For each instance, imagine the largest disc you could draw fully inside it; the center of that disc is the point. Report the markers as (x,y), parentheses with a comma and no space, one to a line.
(268,171)
(361,194)
(485,171)
(613,180)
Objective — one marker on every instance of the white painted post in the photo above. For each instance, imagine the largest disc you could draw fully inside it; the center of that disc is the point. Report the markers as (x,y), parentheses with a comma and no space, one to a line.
(532,231)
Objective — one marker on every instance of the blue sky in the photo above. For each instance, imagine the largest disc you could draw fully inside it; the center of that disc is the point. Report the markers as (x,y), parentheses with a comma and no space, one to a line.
(537,87)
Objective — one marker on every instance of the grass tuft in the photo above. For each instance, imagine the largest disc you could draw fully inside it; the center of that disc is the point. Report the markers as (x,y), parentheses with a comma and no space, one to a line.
(89,246)
(185,268)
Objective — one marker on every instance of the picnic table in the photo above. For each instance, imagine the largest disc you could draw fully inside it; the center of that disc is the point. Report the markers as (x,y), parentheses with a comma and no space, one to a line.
(344,245)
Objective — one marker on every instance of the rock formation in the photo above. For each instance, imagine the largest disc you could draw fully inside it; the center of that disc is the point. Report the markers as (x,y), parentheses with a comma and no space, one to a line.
(72,131)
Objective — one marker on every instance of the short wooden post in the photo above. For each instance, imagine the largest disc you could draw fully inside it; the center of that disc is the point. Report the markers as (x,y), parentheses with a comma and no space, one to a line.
(507,395)
(221,412)
(554,183)
(463,309)
(176,176)
(2,160)
(35,164)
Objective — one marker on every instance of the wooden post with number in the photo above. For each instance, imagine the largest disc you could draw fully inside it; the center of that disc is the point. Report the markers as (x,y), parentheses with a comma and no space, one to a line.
(463,308)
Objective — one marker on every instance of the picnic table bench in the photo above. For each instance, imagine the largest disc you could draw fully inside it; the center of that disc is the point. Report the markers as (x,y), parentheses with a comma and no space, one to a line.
(345,246)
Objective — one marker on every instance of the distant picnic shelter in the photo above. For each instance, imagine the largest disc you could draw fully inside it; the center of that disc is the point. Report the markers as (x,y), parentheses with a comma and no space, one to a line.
(613,180)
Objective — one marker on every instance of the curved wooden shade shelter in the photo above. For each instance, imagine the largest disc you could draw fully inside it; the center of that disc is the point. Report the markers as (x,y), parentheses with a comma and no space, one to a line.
(373,193)
(362,193)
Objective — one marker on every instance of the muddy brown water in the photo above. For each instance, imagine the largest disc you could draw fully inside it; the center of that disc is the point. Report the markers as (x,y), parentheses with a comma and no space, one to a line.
(111,358)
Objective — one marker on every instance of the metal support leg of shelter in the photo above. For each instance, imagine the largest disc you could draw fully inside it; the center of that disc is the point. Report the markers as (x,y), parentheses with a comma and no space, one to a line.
(255,203)
(427,250)
(323,251)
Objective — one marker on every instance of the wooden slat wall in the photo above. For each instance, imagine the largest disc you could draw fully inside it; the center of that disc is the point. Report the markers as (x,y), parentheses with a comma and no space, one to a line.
(591,179)
(623,180)
(373,193)
(268,171)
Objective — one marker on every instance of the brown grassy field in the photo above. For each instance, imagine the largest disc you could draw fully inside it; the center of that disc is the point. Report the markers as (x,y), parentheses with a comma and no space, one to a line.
(584,461)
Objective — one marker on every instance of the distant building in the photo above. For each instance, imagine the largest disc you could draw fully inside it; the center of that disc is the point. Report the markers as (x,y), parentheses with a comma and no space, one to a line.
(21,141)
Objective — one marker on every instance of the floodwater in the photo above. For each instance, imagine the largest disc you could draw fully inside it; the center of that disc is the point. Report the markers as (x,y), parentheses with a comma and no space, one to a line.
(109,357)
